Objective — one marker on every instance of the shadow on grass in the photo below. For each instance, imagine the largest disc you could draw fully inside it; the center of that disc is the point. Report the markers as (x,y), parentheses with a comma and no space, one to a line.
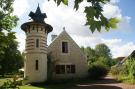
(78,84)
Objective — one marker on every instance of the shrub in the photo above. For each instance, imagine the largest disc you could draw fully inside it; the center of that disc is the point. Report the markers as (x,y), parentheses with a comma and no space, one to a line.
(10,85)
(132,71)
(114,71)
(125,72)
(97,71)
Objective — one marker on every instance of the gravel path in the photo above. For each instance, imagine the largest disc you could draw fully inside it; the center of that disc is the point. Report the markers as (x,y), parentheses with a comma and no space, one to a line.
(107,83)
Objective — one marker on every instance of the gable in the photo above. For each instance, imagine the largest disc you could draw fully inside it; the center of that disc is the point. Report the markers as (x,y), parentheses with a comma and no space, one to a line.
(64,37)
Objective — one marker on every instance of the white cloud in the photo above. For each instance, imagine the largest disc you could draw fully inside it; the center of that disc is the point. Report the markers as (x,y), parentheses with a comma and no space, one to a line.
(66,16)
(123,49)
(20,7)
(21,39)
(111,10)
(114,1)
(118,48)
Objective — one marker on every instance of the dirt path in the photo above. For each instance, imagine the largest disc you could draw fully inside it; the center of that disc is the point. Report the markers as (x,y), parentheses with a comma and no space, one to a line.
(107,83)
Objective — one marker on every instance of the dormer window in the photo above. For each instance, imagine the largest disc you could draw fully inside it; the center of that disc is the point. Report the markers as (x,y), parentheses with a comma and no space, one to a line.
(64,47)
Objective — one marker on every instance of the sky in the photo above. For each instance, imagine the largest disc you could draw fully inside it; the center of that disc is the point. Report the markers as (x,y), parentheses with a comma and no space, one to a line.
(121,41)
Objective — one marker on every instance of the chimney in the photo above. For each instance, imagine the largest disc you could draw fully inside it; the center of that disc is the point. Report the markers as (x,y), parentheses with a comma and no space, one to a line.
(53,37)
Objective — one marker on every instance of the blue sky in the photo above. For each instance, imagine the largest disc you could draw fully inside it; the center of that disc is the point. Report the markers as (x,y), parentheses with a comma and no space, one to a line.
(120,41)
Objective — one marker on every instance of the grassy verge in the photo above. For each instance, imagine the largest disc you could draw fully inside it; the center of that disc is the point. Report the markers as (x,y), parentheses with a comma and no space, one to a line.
(53,85)
(2,80)
(125,79)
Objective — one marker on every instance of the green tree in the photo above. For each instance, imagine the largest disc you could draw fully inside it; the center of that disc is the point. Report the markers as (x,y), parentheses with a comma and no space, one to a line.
(12,59)
(103,50)
(104,53)
(83,49)
(7,22)
(8,45)
(91,55)
(95,19)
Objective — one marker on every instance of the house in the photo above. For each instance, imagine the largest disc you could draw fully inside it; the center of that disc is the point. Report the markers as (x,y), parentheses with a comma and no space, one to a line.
(132,55)
(70,61)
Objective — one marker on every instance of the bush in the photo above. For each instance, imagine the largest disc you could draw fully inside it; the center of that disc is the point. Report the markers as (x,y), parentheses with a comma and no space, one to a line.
(114,71)
(97,71)
(125,72)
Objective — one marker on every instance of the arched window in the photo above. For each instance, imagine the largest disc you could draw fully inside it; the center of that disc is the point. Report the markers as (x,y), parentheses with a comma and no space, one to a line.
(36,65)
(37,43)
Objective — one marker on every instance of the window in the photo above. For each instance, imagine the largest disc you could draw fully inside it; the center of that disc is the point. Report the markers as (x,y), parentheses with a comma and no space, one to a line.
(36,65)
(64,47)
(70,68)
(60,69)
(37,43)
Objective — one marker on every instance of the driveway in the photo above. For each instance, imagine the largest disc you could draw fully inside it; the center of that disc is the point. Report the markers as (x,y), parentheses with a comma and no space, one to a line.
(107,83)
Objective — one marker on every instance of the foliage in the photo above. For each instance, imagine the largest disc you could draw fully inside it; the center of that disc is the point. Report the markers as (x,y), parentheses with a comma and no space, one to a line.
(94,14)
(97,70)
(91,55)
(12,59)
(125,72)
(114,71)
(7,22)
(9,84)
(83,49)
(100,53)
(103,50)
(105,61)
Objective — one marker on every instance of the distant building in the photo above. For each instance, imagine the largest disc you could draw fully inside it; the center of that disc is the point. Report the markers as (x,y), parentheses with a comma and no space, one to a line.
(123,59)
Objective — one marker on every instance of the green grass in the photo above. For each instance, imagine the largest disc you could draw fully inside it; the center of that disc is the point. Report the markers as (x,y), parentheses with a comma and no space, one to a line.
(56,85)
(2,80)
(30,87)
(59,86)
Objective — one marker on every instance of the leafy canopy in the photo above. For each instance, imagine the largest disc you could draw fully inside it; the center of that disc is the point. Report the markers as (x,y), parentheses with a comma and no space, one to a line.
(101,54)
(10,57)
(95,18)
(103,50)
(7,22)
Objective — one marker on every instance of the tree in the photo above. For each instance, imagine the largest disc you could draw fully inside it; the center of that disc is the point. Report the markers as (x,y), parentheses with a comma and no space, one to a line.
(103,50)
(9,55)
(104,53)
(7,22)
(95,19)
(12,59)
(91,55)
(83,49)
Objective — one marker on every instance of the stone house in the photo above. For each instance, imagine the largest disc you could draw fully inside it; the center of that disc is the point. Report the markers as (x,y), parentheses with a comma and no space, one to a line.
(70,61)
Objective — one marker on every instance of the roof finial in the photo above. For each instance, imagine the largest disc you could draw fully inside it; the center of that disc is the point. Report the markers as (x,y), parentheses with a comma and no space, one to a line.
(38,4)
(38,16)
(64,28)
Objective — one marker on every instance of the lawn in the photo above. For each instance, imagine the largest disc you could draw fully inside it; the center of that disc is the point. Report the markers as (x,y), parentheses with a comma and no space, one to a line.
(62,85)
(31,87)
(59,86)
(2,80)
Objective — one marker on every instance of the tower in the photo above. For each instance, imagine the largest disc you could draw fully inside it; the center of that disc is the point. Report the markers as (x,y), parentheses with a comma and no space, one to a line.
(36,47)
